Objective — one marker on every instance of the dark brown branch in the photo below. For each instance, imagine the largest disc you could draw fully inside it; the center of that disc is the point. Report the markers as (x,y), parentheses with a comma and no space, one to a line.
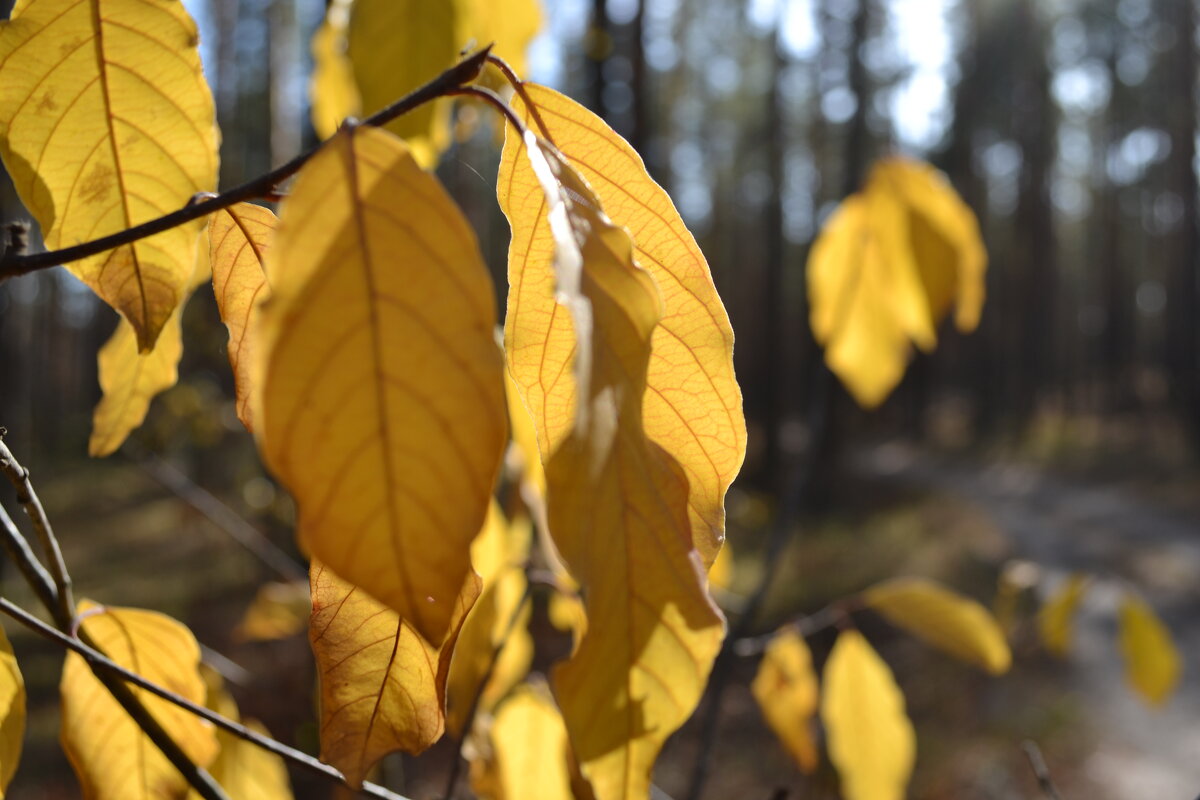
(494,100)
(519,87)
(15,264)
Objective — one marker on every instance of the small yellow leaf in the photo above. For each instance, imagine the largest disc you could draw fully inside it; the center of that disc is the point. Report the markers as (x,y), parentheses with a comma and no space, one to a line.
(239,238)
(786,690)
(112,757)
(1152,663)
(1056,618)
(12,713)
(332,89)
(693,406)
(382,684)
(871,741)
(721,571)
(947,620)
(244,770)
(279,610)
(382,394)
(508,25)
(106,121)
(529,754)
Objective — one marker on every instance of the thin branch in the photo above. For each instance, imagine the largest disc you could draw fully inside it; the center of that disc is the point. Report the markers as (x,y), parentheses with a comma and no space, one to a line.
(102,664)
(519,87)
(806,626)
(1040,771)
(494,100)
(14,263)
(29,500)
(35,575)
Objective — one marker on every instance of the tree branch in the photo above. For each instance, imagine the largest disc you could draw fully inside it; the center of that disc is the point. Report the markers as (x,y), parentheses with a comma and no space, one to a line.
(15,263)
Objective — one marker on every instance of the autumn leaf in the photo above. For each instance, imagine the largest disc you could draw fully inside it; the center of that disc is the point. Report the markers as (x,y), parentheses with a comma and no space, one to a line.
(113,759)
(786,690)
(279,610)
(239,237)
(871,741)
(376,351)
(106,121)
(692,408)
(528,756)
(382,684)
(884,272)
(617,508)
(953,623)
(1056,618)
(12,713)
(332,89)
(1152,662)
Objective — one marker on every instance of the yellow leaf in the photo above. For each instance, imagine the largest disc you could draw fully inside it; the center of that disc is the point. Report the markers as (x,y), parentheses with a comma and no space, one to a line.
(239,238)
(106,121)
(524,436)
(884,272)
(332,89)
(1152,664)
(871,741)
(693,406)
(508,25)
(109,752)
(721,571)
(382,392)
(529,754)
(1056,617)
(947,620)
(786,690)
(499,618)
(617,508)
(382,684)
(12,713)
(279,610)
(244,770)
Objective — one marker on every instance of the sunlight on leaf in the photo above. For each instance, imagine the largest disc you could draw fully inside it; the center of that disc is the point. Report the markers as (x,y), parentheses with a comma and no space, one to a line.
(106,121)
(12,713)
(871,741)
(786,690)
(1057,617)
(382,685)
(113,759)
(332,89)
(1152,663)
(279,610)
(528,756)
(376,355)
(947,620)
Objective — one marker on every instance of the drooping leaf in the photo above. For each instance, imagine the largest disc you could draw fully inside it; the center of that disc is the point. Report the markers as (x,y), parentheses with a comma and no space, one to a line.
(279,610)
(947,620)
(106,121)
(239,237)
(382,684)
(1152,662)
(871,741)
(499,619)
(617,509)
(884,272)
(1056,618)
(376,351)
(332,89)
(12,713)
(693,407)
(528,757)
(786,690)
(113,759)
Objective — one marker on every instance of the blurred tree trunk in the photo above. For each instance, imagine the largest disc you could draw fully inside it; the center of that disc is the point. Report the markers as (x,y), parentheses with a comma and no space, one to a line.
(1116,293)
(225,15)
(774,296)
(598,48)
(286,124)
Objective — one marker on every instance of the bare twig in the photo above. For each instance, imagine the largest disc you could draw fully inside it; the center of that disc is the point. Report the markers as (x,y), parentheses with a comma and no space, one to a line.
(15,263)
(1040,771)
(519,87)
(101,664)
(494,100)
(35,575)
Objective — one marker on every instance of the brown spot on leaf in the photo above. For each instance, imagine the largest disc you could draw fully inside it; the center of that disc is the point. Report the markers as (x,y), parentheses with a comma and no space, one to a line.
(95,187)
(47,104)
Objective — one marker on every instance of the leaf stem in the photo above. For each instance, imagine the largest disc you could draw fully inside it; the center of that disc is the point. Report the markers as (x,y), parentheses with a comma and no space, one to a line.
(493,99)
(519,87)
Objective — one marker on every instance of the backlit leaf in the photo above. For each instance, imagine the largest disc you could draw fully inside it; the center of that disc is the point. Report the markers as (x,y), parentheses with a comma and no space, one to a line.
(1152,663)
(693,407)
(239,237)
(106,121)
(871,741)
(1056,618)
(376,351)
(279,610)
(112,757)
(332,89)
(786,690)
(382,684)
(524,436)
(947,620)
(12,713)
(617,508)
(529,754)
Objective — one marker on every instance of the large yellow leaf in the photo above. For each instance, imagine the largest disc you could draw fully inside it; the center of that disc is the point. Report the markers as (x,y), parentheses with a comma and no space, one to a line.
(112,757)
(945,619)
(382,390)
(871,741)
(529,757)
(382,685)
(692,408)
(617,508)
(508,25)
(499,619)
(786,690)
(279,610)
(239,237)
(332,89)
(12,713)
(106,121)
(1056,618)
(1152,663)
(884,271)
